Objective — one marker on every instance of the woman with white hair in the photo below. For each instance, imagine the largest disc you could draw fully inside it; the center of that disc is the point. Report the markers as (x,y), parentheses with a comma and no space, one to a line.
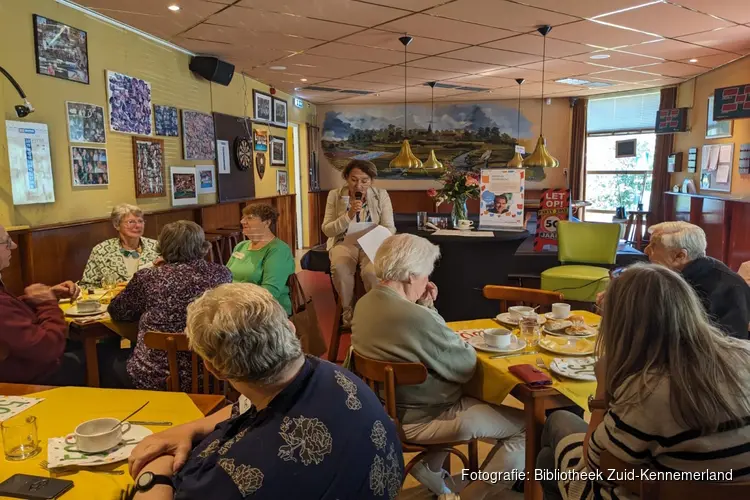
(395,321)
(672,394)
(313,431)
(119,258)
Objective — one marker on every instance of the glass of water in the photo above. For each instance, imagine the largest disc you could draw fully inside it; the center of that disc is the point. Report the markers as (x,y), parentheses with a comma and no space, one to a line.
(529,326)
(421,220)
(20,438)
(109,282)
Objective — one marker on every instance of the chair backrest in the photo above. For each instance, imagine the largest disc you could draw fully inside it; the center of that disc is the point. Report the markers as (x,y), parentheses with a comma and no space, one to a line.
(296,293)
(173,343)
(513,295)
(387,375)
(587,242)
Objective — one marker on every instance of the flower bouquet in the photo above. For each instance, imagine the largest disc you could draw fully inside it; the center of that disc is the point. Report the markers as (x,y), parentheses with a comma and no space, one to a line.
(458,187)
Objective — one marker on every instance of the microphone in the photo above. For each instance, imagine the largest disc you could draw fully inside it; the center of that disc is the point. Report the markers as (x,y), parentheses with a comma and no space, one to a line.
(358,196)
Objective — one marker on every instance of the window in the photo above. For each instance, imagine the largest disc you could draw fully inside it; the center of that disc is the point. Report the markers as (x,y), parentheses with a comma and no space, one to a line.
(613,182)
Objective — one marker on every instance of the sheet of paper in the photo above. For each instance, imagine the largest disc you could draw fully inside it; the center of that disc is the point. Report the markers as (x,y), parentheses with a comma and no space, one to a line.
(358,227)
(705,153)
(469,234)
(722,173)
(222,153)
(713,158)
(371,241)
(10,406)
(725,153)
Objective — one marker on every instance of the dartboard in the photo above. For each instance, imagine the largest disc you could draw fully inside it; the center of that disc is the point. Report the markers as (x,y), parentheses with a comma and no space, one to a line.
(260,164)
(243,153)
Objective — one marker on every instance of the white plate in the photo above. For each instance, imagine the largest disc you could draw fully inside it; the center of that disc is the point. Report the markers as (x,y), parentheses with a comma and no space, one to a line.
(75,313)
(505,318)
(575,368)
(479,344)
(549,315)
(60,454)
(569,347)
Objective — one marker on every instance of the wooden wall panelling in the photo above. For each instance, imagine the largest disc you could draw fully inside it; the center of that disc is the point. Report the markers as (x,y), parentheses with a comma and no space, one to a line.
(13,276)
(286,228)
(221,215)
(714,218)
(739,236)
(316,208)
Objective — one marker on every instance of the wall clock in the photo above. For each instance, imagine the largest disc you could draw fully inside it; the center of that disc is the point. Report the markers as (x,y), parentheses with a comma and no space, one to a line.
(243,153)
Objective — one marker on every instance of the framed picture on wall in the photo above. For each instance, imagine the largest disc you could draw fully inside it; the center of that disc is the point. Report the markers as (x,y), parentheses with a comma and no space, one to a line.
(206,179)
(184,186)
(262,107)
(130,110)
(282,182)
(278,151)
(148,166)
(714,129)
(260,138)
(198,136)
(279,113)
(61,50)
(85,122)
(166,121)
(90,167)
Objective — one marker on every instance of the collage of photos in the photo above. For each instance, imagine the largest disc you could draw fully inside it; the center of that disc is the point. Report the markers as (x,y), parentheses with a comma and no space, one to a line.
(149,167)
(61,50)
(130,107)
(86,123)
(90,167)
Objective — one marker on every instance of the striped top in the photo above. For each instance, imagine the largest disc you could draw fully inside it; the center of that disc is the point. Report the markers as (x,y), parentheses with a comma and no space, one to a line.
(647,433)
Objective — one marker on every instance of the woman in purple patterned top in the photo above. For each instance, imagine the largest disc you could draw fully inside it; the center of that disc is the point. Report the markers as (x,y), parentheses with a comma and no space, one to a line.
(158,298)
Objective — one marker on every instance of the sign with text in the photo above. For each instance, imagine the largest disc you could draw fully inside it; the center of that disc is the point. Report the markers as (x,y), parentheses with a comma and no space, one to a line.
(554,206)
(732,102)
(501,199)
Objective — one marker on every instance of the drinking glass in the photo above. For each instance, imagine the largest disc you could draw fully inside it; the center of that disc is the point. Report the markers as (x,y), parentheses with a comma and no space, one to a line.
(529,326)
(109,282)
(421,220)
(20,438)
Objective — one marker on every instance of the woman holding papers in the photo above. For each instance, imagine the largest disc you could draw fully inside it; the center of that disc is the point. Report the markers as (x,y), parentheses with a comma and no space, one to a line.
(351,212)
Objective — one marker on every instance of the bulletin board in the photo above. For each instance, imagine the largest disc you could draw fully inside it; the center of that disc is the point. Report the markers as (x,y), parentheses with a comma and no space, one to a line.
(238,184)
(716,167)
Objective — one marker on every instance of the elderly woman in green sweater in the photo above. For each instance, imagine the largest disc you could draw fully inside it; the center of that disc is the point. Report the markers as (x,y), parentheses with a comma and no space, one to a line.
(263,259)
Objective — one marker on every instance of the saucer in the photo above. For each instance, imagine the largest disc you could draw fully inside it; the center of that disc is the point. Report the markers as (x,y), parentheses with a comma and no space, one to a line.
(61,454)
(506,318)
(75,313)
(551,316)
(479,344)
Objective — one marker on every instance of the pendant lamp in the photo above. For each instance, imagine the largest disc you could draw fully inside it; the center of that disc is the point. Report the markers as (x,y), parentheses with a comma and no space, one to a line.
(541,157)
(517,160)
(405,159)
(432,162)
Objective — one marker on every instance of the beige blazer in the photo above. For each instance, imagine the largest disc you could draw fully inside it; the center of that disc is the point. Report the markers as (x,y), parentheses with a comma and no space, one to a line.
(336,221)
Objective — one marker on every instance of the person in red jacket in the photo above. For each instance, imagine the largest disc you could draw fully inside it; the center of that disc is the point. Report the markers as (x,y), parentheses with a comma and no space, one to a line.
(33,332)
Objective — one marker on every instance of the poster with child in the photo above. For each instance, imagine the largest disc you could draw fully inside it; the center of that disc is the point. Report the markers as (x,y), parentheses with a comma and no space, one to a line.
(501,199)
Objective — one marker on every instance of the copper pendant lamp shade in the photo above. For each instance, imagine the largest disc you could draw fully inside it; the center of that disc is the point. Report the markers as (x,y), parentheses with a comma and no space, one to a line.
(517,160)
(405,159)
(541,157)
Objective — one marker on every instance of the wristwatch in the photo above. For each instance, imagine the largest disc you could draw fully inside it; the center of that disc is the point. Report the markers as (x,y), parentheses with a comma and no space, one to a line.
(596,404)
(148,480)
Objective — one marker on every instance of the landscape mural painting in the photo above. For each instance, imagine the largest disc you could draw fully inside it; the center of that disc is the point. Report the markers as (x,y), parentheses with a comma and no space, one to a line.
(464,136)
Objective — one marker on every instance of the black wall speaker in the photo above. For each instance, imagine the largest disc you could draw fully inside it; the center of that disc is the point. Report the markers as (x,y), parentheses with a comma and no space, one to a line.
(212,69)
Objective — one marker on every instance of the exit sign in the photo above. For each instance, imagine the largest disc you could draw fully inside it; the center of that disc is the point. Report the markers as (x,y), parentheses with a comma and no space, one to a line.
(298,102)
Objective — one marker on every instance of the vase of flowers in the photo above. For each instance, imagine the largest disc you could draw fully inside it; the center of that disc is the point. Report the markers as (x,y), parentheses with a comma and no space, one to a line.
(458,187)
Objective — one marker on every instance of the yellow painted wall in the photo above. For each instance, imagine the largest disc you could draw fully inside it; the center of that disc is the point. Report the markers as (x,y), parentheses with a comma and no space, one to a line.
(119,50)
(694,94)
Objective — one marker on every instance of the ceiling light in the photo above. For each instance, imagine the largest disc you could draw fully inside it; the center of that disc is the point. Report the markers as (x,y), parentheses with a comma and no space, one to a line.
(599,56)
(303,79)
(405,159)
(174,8)
(693,60)
(297,88)
(541,157)
(278,68)
(517,160)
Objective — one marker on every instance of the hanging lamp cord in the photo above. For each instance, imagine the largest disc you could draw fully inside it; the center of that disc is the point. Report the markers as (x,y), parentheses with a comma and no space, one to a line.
(405,133)
(518,129)
(544,60)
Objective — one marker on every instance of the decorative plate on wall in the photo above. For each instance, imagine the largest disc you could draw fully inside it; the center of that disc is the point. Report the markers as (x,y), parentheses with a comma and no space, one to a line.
(260,164)
(243,153)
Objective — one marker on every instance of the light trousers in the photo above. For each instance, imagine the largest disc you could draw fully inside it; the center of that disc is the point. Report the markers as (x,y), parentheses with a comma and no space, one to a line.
(344,260)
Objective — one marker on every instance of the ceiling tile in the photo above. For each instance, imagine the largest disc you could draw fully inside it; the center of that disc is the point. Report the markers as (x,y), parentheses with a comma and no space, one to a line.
(425,75)
(389,40)
(492,56)
(529,75)
(344,11)
(357,85)
(561,68)
(673,69)
(378,76)
(445,64)
(671,49)
(616,59)
(713,61)
(734,10)
(358,53)
(736,39)
(259,20)
(651,19)
(421,25)
(533,44)
(585,8)
(598,34)
(482,81)
(245,37)
(326,66)
(623,75)
(500,14)
(413,5)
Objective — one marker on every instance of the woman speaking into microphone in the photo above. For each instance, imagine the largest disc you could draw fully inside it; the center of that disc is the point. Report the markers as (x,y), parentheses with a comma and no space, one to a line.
(351,211)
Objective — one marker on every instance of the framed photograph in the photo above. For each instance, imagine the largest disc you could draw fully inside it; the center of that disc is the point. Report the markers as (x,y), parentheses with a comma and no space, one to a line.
(282,182)
(206,179)
(714,129)
(278,151)
(263,107)
(61,50)
(184,186)
(90,167)
(148,159)
(260,139)
(279,113)
(198,136)
(130,110)
(85,122)
(165,121)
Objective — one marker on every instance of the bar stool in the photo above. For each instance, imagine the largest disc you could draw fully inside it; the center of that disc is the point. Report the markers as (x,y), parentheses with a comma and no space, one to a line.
(215,253)
(636,221)
(232,238)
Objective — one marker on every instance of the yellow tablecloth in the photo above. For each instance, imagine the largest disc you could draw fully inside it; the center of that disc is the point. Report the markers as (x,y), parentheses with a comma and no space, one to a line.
(64,408)
(125,330)
(492,381)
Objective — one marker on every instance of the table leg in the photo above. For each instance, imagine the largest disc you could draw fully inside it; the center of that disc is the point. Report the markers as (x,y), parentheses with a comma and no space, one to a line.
(534,411)
(92,361)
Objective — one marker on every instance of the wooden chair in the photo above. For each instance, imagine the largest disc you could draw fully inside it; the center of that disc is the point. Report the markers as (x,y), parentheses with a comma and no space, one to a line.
(511,295)
(173,343)
(215,254)
(231,238)
(338,329)
(387,375)
(636,224)
(673,490)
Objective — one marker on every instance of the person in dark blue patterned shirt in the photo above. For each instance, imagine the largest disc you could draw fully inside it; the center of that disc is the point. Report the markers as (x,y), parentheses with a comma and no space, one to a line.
(312,431)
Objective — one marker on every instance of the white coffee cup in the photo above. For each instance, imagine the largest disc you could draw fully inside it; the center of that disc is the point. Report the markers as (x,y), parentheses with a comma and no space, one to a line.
(560,310)
(517,312)
(497,337)
(98,435)
(86,306)
(465,224)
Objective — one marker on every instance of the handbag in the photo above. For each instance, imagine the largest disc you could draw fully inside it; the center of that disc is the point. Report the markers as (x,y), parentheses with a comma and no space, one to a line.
(305,319)
(533,376)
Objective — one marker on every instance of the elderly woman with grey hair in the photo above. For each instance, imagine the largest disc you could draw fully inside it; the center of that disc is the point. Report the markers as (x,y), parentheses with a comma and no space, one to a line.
(395,321)
(157,298)
(119,258)
(312,431)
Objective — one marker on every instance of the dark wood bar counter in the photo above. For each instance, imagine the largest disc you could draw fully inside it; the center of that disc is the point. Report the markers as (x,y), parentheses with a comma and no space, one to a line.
(724,218)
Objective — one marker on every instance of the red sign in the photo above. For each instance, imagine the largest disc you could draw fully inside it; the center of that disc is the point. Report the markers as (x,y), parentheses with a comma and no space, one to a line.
(732,102)
(671,120)
(554,206)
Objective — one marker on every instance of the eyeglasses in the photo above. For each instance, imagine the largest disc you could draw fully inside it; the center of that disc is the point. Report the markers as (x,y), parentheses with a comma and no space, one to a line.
(134,222)
(8,243)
